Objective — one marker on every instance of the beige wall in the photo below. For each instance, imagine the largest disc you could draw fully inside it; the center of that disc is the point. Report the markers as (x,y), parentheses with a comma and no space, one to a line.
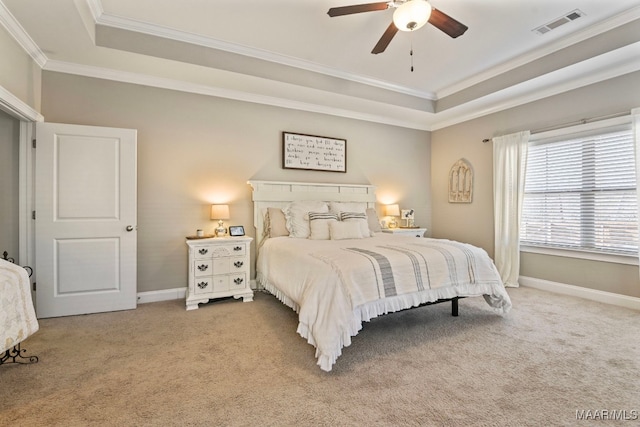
(19,74)
(474,222)
(194,150)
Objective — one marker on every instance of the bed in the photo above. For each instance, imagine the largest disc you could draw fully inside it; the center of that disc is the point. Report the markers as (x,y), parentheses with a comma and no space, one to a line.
(17,316)
(345,272)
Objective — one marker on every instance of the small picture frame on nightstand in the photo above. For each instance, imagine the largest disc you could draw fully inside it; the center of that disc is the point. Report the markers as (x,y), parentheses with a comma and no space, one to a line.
(236,230)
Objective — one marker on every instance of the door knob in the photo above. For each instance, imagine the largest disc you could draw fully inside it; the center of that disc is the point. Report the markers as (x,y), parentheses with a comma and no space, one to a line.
(129,227)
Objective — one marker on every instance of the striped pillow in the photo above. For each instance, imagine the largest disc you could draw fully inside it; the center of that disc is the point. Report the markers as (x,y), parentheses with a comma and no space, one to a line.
(360,218)
(319,225)
(344,216)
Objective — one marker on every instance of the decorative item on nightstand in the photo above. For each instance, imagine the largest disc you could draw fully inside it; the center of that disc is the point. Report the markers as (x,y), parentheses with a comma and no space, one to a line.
(220,212)
(407,216)
(392,211)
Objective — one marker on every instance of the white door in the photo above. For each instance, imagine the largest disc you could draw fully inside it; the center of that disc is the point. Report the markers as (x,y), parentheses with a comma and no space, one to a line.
(85,228)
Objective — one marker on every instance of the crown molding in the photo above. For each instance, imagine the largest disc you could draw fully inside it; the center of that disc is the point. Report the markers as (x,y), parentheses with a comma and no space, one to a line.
(607,66)
(592,31)
(13,27)
(15,107)
(127,24)
(183,86)
(95,6)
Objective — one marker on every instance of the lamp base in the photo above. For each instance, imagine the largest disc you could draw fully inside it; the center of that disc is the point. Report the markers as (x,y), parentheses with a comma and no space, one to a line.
(393,223)
(220,231)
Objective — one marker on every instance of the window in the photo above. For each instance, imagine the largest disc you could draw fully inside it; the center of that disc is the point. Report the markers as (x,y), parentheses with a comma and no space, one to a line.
(580,190)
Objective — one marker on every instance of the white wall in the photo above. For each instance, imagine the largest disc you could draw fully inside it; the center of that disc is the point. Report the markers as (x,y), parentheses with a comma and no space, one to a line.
(194,150)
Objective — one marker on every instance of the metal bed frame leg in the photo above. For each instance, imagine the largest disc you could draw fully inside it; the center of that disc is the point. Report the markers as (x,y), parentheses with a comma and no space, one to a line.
(454,306)
(15,356)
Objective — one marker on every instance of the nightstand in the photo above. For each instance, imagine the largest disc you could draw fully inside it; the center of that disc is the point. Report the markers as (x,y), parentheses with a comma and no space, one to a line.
(410,232)
(218,267)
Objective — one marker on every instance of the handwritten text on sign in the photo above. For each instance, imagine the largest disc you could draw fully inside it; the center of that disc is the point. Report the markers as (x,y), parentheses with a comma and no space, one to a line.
(314,152)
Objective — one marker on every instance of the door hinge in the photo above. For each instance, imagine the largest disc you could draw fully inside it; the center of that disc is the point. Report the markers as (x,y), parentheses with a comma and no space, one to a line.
(33,143)
(33,214)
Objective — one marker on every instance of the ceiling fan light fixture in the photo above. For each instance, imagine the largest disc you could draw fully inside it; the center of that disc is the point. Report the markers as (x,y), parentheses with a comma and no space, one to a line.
(412,15)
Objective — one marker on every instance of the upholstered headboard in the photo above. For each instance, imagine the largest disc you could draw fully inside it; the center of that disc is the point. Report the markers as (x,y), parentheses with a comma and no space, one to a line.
(267,194)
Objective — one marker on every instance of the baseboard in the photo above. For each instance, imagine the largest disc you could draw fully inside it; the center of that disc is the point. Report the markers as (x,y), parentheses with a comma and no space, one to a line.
(170,294)
(578,291)
(163,295)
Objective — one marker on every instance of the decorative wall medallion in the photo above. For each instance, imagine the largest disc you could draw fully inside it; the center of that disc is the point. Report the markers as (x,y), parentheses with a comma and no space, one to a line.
(461,182)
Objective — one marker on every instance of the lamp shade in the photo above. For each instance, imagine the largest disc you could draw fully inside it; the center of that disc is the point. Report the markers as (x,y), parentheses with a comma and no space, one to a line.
(412,15)
(392,210)
(219,211)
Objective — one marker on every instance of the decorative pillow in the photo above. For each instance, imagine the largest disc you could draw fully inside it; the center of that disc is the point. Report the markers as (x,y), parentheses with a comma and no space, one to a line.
(266,224)
(360,219)
(297,219)
(337,207)
(344,230)
(373,221)
(277,223)
(319,225)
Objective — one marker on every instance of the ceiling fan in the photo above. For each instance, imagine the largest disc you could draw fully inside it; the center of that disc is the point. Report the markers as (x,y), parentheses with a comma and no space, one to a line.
(409,15)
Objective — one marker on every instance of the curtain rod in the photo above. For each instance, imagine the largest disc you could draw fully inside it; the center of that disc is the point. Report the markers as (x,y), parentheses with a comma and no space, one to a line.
(576,122)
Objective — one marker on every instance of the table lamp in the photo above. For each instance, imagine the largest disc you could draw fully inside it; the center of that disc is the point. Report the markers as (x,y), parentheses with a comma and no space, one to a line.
(220,213)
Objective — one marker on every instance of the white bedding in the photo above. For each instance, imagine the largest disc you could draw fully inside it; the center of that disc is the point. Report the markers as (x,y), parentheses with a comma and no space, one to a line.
(17,316)
(336,285)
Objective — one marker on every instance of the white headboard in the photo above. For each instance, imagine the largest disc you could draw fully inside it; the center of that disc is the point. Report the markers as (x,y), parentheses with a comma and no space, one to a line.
(268,194)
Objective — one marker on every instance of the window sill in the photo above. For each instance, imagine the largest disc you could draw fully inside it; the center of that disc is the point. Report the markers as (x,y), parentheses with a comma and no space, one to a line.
(592,256)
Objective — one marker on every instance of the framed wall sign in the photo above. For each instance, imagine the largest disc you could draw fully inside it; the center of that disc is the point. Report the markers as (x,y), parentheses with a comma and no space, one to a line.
(313,152)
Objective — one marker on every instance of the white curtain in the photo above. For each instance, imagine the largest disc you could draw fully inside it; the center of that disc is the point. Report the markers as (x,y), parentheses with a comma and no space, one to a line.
(635,118)
(509,166)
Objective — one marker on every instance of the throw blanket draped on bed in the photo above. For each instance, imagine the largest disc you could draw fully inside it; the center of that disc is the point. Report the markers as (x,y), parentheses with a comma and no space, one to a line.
(336,285)
(17,316)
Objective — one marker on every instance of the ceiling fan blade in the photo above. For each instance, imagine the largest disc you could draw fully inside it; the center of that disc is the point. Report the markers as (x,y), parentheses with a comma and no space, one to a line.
(447,24)
(357,8)
(385,39)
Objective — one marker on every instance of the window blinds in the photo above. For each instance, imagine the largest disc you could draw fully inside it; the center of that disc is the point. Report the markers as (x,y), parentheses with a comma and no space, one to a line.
(580,192)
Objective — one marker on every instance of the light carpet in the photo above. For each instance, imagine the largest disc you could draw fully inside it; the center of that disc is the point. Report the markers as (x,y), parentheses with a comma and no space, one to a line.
(552,361)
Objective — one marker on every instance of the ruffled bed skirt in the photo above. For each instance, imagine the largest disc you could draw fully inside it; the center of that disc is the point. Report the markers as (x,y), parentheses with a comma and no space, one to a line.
(495,296)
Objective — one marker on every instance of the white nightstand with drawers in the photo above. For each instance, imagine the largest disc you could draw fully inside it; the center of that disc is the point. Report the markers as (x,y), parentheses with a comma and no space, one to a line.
(218,267)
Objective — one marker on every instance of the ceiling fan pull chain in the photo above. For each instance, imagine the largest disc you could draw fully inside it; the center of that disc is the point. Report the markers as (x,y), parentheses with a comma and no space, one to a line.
(411,53)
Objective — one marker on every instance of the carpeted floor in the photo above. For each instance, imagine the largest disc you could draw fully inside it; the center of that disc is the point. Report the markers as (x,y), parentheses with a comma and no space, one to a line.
(552,360)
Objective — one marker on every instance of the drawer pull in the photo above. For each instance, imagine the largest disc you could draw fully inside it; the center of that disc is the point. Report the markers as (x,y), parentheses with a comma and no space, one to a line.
(237,248)
(238,281)
(238,264)
(203,251)
(203,285)
(203,267)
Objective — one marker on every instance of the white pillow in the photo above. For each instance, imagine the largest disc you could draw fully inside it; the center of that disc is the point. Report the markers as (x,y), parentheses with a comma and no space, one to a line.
(297,219)
(337,207)
(319,225)
(373,221)
(344,230)
(360,219)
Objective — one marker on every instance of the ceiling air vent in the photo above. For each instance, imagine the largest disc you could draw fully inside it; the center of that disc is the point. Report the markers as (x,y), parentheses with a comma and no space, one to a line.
(571,16)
